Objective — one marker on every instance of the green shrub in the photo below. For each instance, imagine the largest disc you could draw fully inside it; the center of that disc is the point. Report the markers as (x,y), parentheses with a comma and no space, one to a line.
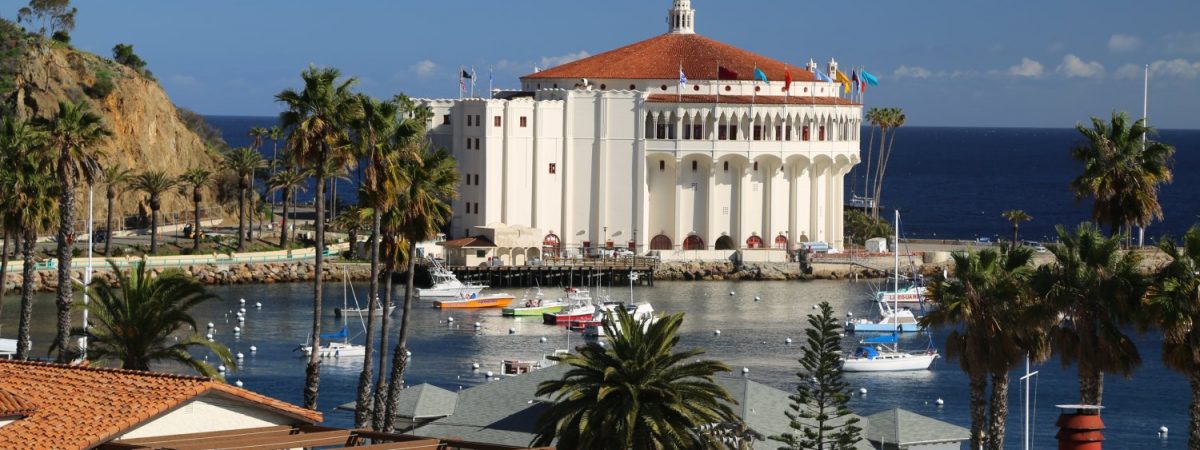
(62,36)
(102,87)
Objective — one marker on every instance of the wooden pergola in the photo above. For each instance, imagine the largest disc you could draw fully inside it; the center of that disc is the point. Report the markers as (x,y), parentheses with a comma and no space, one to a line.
(299,436)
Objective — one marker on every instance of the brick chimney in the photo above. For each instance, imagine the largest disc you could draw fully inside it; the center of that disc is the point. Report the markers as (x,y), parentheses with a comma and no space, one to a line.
(1080,427)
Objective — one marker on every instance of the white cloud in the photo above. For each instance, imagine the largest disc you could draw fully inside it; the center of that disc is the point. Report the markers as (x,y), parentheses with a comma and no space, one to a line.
(1074,67)
(425,69)
(1124,43)
(1183,42)
(912,72)
(1028,68)
(1178,68)
(184,80)
(552,61)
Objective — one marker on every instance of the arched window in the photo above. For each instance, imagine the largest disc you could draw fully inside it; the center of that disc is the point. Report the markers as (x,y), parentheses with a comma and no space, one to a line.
(781,241)
(693,242)
(661,242)
(754,242)
(725,243)
(551,245)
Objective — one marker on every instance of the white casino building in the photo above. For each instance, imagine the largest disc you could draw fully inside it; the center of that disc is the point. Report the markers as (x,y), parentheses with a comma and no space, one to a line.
(612,150)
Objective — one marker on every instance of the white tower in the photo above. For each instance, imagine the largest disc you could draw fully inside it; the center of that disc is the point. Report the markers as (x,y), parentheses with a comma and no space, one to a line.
(833,69)
(681,18)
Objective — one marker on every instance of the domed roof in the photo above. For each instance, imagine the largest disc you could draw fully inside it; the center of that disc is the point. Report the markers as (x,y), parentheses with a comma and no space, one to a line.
(661,57)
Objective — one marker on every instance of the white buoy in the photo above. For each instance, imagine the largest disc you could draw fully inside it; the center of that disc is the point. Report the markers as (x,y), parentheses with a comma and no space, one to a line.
(221,368)
(849,314)
(862,391)
(211,326)
(258,305)
(242,301)
(238,383)
(474,366)
(209,336)
(757,298)
(787,341)
(253,349)
(940,402)
(814,307)
(478,325)
(242,310)
(489,374)
(602,344)
(745,370)
(717,332)
(240,355)
(512,331)
(237,330)
(1162,432)
(241,320)
(450,319)
(731,293)
(542,339)
(408,353)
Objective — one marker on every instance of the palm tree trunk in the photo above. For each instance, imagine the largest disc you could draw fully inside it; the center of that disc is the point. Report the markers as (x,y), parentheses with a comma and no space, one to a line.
(1091,379)
(999,411)
(878,172)
(108,224)
(1015,235)
(362,411)
(4,268)
(283,235)
(380,381)
(312,373)
(196,227)
(153,229)
(24,343)
(241,218)
(66,226)
(867,174)
(1194,411)
(978,386)
(400,357)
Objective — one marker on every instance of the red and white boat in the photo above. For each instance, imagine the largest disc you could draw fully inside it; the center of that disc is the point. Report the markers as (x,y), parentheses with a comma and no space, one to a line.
(580,308)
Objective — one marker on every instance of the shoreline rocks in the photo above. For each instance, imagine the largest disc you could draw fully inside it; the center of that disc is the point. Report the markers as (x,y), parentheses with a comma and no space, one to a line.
(216,275)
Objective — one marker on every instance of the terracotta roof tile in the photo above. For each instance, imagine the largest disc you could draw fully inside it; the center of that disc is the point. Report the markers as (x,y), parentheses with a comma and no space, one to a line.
(660,58)
(77,407)
(468,242)
(800,100)
(14,405)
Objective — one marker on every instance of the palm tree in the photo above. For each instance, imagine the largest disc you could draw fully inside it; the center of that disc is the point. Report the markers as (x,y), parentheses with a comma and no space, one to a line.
(18,141)
(73,132)
(315,121)
(874,118)
(154,183)
(116,177)
(1122,171)
(1016,216)
(989,298)
(890,120)
(289,182)
(256,137)
(243,162)
(425,200)
(636,392)
(352,220)
(197,178)
(1096,288)
(1175,302)
(138,319)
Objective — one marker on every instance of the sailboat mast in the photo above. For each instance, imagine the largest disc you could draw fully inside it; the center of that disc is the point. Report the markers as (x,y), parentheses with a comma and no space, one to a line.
(1146,122)
(896,274)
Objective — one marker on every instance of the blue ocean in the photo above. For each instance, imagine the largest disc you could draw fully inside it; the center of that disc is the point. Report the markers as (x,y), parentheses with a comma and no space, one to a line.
(953,183)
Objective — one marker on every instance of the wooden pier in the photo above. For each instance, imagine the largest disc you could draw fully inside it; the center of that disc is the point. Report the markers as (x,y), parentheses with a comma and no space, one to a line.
(563,272)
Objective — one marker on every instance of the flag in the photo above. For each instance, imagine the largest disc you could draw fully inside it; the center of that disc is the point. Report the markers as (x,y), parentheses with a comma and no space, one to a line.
(841,78)
(759,75)
(462,84)
(870,79)
(787,80)
(724,73)
(822,77)
(682,77)
(491,80)
(472,77)
(465,75)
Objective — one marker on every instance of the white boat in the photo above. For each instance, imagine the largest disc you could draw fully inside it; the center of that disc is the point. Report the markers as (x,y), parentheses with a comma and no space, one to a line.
(639,311)
(514,367)
(890,320)
(912,297)
(874,354)
(331,348)
(446,285)
(343,312)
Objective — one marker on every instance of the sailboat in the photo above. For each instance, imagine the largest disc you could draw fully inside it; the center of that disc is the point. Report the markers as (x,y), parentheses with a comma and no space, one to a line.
(332,348)
(892,317)
(875,355)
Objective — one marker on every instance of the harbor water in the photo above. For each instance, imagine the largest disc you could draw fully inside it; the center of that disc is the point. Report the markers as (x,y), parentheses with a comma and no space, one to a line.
(752,335)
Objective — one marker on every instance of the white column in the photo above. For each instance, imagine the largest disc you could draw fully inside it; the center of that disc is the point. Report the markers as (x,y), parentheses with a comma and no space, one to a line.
(793,207)
(713,208)
(677,238)
(743,193)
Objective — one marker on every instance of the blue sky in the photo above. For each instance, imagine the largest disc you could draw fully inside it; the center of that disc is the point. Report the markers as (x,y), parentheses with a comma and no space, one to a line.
(946,62)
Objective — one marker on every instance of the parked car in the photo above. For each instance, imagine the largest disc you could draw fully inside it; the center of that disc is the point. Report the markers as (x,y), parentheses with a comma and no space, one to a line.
(100,236)
(815,246)
(622,253)
(1035,246)
(983,241)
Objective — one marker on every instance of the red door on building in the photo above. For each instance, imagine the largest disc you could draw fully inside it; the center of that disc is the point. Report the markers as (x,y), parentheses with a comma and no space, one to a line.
(693,242)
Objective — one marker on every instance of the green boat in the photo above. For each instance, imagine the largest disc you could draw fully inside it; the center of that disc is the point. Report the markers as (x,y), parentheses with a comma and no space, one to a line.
(535,307)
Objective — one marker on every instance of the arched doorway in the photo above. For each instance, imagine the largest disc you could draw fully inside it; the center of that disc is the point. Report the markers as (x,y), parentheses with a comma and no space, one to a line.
(661,242)
(725,243)
(693,242)
(781,242)
(754,242)
(551,245)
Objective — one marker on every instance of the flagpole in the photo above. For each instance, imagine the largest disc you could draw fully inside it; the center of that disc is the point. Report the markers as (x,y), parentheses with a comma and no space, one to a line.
(461,86)
(491,77)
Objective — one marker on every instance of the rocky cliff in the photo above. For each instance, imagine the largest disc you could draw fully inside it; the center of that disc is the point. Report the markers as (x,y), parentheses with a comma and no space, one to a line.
(148,133)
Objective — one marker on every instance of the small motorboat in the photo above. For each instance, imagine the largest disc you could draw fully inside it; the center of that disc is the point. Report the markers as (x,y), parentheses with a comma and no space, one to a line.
(574,313)
(639,311)
(891,320)
(477,302)
(363,312)
(335,349)
(446,285)
(535,306)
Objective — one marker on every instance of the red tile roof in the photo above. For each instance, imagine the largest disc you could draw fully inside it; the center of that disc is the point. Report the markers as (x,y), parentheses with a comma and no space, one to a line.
(78,407)
(801,100)
(468,242)
(660,58)
(13,405)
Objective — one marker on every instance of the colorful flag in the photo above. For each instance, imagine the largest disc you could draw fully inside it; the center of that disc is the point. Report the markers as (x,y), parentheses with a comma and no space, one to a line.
(759,75)
(465,75)
(822,77)
(841,78)
(724,73)
(787,80)
(870,79)
(682,77)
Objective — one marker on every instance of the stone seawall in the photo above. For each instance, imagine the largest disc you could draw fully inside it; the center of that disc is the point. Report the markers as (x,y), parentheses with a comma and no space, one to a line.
(717,271)
(211,274)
